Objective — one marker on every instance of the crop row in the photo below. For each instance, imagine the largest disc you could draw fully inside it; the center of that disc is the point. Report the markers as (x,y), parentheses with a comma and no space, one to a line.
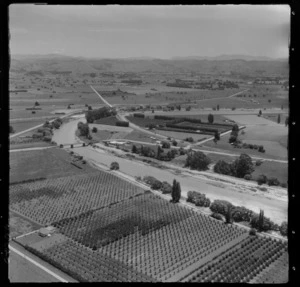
(276,273)
(242,262)
(142,214)
(52,200)
(171,249)
(86,265)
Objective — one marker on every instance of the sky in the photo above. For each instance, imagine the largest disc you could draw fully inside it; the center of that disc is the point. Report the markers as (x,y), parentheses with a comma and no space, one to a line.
(114,31)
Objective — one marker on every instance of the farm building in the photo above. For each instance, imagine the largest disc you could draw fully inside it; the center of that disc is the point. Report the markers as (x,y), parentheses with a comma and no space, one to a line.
(46,231)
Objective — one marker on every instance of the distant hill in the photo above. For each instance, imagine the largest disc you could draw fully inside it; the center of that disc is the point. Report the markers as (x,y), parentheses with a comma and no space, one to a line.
(230,57)
(79,65)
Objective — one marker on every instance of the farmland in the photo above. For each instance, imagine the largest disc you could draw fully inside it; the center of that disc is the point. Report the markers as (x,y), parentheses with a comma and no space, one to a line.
(109,225)
(48,163)
(47,201)
(242,262)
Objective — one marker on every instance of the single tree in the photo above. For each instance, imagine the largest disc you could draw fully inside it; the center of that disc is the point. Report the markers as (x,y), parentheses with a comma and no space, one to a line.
(278,119)
(36,103)
(217,136)
(197,160)
(134,149)
(218,107)
(210,118)
(228,215)
(242,166)
(259,113)
(286,121)
(11,130)
(260,221)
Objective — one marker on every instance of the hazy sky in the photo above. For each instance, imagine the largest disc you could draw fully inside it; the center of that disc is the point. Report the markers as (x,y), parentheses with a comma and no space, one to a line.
(154,31)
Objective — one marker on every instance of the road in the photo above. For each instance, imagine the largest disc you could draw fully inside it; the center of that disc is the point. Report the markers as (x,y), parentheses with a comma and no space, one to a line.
(31,148)
(26,267)
(102,99)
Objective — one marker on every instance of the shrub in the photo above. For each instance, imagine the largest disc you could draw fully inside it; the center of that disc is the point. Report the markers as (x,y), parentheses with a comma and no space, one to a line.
(233,108)
(283,228)
(94,130)
(261,179)
(241,213)
(11,130)
(273,181)
(258,162)
(197,160)
(47,139)
(156,185)
(248,177)
(220,206)
(61,145)
(166,188)
(261,148)
(284,185)
(114,166)
(174,143)
(166,144)
(262,223)
(149,179)
(222,167)
(217,216)
(252,231)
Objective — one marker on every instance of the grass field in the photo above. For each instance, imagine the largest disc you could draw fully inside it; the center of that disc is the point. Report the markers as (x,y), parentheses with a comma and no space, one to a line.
(258,131)
(49,163)
(272,169)
(182,136)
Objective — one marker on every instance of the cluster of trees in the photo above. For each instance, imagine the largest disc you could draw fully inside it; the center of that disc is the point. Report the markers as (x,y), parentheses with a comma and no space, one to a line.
(259,148)
(197,160)
(159,154)
(97,114)
(241,214)
(241,167)
(84,130)
(199,199)
(155,184)
(272,181)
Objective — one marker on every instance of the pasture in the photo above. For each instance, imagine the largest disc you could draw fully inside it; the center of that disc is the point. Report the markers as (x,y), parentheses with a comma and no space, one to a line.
(48,163)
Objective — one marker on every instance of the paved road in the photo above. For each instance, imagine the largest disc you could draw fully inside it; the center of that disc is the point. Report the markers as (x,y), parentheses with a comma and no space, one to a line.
(31,148)
(26,267)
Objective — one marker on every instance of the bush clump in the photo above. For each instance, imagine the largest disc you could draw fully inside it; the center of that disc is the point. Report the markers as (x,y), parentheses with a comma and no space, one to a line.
(166,188)
(283,228)
(220,206)
(261,179)
(197,160)
(217,216)
(114,166)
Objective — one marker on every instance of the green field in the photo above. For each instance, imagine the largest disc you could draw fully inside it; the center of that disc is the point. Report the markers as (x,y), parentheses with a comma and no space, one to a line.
(49,163)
